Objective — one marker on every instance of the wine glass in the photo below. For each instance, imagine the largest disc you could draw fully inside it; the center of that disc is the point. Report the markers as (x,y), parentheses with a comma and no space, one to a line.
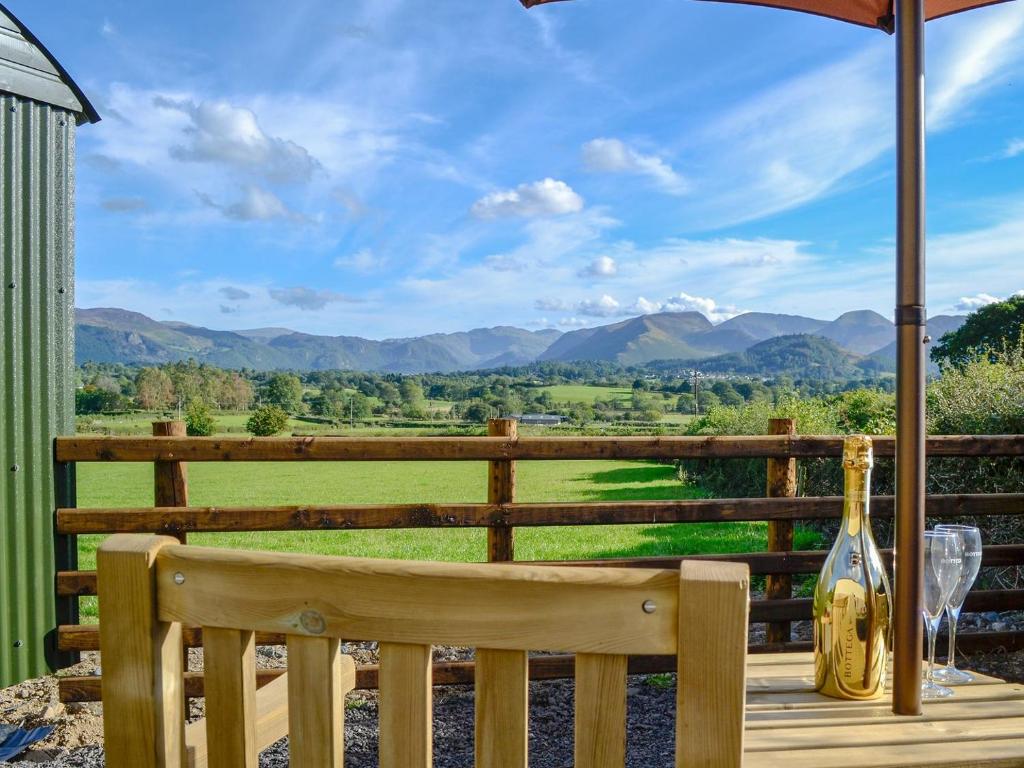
(943,563)
(971,538)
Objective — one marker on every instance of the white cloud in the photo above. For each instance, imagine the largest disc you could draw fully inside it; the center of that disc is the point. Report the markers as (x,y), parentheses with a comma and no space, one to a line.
(606,306)
(307,299)
(614,156)
(684,302)
(971,303)
(574,322)
(548,197)
(602,266)
(364,261)
(256,204)
(220,132)
(802,138)
(980,47)
(1014,147)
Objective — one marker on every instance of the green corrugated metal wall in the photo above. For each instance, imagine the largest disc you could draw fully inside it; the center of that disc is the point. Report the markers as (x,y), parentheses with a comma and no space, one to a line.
(37,161)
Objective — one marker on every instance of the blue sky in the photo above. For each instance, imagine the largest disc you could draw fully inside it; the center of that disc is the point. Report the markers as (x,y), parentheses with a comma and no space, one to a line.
(396,167)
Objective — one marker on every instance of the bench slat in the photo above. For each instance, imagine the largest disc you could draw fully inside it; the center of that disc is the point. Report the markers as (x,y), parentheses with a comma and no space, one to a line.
(229,659)
(600,710)
(405,706)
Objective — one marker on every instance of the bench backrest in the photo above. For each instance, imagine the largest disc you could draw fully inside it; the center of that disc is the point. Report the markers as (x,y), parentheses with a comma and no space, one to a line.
(150,586)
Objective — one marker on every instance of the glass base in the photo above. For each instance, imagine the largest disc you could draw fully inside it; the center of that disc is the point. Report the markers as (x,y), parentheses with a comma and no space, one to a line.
(933,691)
(952,676)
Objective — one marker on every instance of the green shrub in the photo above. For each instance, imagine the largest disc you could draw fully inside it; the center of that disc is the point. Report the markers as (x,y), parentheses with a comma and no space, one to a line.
(267,421)
(198,420)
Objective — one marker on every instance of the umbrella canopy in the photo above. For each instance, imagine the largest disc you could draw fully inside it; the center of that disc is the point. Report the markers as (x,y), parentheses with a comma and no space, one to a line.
(868,13)
(906,19)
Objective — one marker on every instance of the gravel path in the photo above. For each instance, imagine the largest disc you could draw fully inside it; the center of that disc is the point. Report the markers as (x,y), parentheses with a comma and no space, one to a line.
(79,733)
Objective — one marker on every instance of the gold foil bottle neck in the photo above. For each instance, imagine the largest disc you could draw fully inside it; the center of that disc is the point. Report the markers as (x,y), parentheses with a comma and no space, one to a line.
(857,452)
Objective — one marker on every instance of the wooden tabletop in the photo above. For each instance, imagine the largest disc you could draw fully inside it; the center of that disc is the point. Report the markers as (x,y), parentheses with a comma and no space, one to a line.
(791,726)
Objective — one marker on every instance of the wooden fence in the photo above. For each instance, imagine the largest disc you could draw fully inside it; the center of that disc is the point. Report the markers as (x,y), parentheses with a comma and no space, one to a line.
(170,451)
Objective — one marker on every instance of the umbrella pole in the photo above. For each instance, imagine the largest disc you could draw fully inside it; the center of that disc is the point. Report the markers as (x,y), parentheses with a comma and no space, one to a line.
(910,356)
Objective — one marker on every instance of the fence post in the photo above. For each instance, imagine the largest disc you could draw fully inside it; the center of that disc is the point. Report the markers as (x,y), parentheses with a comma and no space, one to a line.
(501,489)
(170,489)
(781,483)
(170,478)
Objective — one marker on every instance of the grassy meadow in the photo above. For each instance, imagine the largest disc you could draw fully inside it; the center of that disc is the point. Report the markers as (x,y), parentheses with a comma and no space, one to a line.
(286,483)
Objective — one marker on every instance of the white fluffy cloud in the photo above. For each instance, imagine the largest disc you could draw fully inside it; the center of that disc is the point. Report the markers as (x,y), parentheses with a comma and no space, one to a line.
(684,302)
(223,133)
(979,300)
(615,156)
(602,266)
(970,303)
(606,306)
(548,197)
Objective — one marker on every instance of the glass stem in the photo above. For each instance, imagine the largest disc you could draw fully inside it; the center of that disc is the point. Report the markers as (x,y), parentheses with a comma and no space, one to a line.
(932,636)
(953,617)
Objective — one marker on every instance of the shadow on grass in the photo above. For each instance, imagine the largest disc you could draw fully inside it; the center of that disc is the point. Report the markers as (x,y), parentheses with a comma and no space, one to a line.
(650,482)
(682,539)
(642,473)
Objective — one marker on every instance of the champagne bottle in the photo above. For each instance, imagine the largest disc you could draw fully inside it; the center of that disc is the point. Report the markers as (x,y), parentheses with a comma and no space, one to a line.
(852,599)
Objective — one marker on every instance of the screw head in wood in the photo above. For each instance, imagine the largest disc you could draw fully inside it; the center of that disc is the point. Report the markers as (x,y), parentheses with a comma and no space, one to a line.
(313,622)
(650,606)
(179,578)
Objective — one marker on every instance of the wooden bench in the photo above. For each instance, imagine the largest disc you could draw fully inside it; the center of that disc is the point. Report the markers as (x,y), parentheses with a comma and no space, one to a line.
(150,586)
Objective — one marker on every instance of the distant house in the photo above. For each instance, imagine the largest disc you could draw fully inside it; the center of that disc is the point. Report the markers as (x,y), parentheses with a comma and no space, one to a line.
(537,419)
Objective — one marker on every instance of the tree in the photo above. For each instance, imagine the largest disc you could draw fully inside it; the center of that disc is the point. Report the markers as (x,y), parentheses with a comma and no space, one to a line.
(989,330)
(478,412)
(412,393)
(198,421)
(154,389)
(92,400)
(285,391)
(389,393)
(266,421)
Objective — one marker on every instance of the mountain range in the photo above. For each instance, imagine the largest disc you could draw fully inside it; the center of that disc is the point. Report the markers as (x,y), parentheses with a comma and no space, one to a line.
(863,340)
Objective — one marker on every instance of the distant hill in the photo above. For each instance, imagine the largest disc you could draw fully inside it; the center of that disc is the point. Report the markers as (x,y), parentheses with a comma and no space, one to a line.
(800,356)
(857,342)
(691,336)
(639,340)
(117,335)
(862,332)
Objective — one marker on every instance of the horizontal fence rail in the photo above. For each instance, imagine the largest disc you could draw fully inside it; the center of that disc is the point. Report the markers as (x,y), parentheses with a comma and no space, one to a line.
(74,449)
(170,452)
(372,516)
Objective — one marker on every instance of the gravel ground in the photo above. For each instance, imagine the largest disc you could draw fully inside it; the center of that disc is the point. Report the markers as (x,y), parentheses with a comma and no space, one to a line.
(76,740)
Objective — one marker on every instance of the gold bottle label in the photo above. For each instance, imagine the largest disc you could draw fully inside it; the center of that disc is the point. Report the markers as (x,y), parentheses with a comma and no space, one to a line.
(850,649)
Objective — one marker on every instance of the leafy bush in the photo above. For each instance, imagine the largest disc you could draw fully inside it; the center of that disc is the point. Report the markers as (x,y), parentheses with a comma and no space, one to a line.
(267,421)
(92,399)
(733,478)
(198,420)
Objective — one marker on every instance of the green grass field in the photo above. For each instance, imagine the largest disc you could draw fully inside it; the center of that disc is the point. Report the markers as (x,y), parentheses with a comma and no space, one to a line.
(233,484)
(581,393)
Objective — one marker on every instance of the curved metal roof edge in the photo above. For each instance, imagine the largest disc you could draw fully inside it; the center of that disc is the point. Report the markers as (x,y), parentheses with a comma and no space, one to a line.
(88,109)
